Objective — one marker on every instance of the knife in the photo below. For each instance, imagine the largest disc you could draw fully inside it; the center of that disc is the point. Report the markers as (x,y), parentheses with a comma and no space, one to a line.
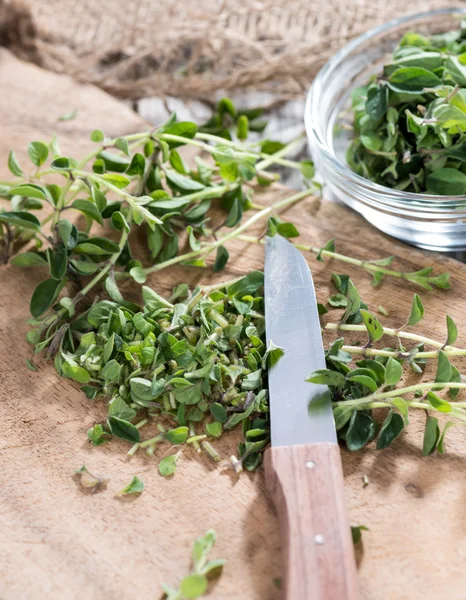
(303,467)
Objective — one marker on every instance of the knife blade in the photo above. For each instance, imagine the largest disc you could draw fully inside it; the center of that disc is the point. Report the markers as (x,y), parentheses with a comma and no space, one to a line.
(303,467)
(292,322)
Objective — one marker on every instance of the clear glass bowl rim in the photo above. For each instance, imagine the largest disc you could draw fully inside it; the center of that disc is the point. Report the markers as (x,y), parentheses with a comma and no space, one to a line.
(399,197)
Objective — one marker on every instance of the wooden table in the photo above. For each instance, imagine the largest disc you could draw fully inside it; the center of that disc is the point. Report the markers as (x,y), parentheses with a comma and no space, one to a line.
(57,543)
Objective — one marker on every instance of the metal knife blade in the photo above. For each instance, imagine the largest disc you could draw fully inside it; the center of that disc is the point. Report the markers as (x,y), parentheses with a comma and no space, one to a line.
(300,412)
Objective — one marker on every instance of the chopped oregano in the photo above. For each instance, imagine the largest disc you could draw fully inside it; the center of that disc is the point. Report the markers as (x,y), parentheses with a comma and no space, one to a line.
(136,486)
(196,583)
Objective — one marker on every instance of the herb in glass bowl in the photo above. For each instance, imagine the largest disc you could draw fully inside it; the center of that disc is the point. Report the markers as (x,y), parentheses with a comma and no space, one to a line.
(410,121)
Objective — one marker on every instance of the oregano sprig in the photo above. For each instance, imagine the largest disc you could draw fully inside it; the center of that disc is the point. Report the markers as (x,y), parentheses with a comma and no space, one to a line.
(375,381)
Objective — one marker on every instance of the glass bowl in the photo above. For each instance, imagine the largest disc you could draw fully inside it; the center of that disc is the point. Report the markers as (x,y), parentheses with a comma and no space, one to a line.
(424,220)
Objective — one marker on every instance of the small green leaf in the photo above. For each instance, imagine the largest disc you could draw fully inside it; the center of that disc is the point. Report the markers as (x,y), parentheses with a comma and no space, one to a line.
(123,429)
(97,136)
(76,373)
(391,429)
(431,435)
(58,262)
(362,429)
(221,259)
(30,365)
(327,377)
(118,407)
(242,127)
(117,180)
(119,221)
(452,330)
(412,80)
(167,466)
(356,532)
(417,311)
(193,586)
(328,247)
(214,429)
(69,116)
(438,403)
(20,219)
(236,213)
(137,165)
(402,406)
(218,412)
(136,486)
(111,371)
(455,377)
(29,259)
(377,101)
(193,242)
(38,153)
(97,245)
(441,442)
(138,274)
(447,182)
(185,129)
(342,414)
(14,166)
(177,163)
(182,183)
(353,301)
(307,169)
(122,144)
(29,190)
(373,325)
(44,296)
(99,198)
(61,163)
(287,230)
(443,373)
(68,233)
(89,209)
(364,380)
(393,372)
(179,435)
(97,435)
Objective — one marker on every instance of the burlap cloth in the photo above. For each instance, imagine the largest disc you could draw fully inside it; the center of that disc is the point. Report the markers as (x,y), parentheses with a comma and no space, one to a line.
(191,48)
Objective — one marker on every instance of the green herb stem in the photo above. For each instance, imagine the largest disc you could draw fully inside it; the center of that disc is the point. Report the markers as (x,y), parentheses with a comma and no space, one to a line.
(389,353)
(268,158)
(208,248)
(400,392)
(394,333)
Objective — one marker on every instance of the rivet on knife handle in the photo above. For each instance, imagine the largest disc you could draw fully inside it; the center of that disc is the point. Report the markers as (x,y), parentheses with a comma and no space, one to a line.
(306,483)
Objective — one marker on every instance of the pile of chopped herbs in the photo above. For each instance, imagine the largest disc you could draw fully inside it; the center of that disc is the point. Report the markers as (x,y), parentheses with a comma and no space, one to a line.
(196,367)
(410,121)
(189,368)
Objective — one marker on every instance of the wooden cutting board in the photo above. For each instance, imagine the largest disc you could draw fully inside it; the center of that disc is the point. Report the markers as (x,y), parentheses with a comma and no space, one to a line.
(57,543)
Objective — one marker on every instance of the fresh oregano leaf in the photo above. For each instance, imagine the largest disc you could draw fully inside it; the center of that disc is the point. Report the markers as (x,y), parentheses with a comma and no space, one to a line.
(136,486)
(393,372)
(373,326)
(391,429)
(123,429)
(45,295)
(431,435)
(417,311)
(452,331)
(362,429)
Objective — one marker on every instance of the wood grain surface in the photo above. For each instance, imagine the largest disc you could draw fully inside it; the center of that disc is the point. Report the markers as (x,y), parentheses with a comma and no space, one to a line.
(306,483)
(57,543)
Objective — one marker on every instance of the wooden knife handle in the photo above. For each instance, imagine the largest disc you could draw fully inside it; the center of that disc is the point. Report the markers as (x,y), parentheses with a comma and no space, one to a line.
(306,483)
